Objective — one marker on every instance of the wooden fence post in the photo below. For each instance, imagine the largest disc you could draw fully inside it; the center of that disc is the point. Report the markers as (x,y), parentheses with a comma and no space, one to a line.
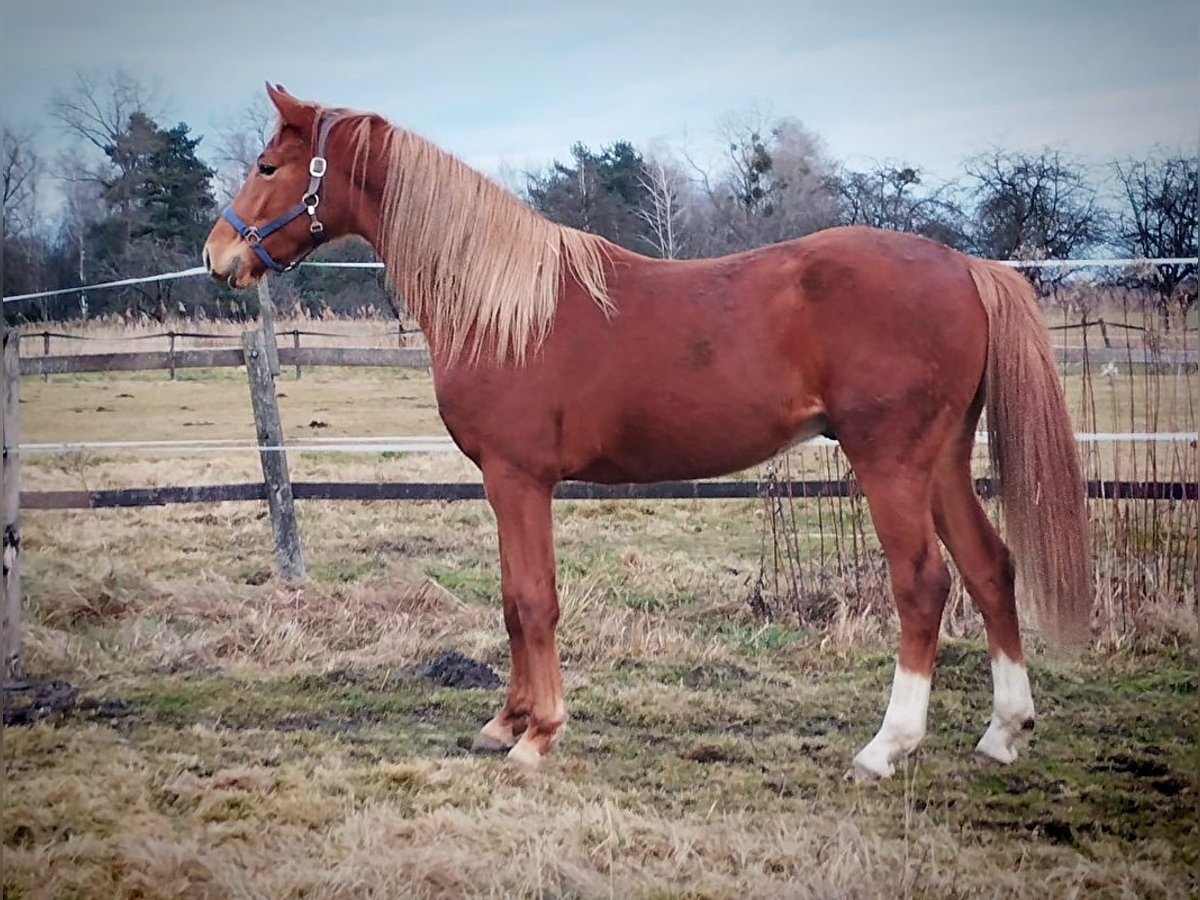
(289,555)
(45,352)
(266,316)
(296,345)
(171,335)
(10,633)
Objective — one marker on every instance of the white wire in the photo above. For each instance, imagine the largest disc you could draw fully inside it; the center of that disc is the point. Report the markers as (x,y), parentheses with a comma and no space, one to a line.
(200,270)
(165,276)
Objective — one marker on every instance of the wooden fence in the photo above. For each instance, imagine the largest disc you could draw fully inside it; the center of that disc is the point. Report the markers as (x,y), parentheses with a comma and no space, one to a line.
(263,361)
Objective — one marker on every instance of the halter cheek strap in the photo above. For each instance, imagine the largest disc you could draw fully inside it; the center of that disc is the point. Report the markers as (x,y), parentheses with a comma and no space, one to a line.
(254,235)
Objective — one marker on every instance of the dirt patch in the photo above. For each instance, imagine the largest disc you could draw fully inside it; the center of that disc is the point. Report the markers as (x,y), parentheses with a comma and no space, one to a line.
(454,670)
(104,710)
(1140,766)
(29,702)
(709,752)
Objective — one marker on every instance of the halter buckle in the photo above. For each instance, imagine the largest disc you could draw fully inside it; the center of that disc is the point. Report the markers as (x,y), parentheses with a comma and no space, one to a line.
(311,202)
(317,166)
(316,227)
(251,236)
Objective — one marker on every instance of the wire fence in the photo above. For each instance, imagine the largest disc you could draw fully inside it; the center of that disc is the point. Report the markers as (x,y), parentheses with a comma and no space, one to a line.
(1063,264)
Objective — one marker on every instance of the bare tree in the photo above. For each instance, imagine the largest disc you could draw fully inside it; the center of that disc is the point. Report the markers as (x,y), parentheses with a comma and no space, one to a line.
(805,202)
(98,106)
(24,250)
(1157,219)
(894,196)
(774,185)
(20,168)
(1034,206)
(239,144)
(665,206)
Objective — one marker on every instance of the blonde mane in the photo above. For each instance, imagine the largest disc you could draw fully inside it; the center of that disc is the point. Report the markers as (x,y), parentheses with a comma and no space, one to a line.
(472,263)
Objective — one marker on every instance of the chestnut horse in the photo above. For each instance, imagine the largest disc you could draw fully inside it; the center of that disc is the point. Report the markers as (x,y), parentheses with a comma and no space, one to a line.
(558,355)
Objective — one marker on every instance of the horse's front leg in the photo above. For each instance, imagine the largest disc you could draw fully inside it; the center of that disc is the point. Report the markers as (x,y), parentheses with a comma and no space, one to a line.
(534,710)
(501,733)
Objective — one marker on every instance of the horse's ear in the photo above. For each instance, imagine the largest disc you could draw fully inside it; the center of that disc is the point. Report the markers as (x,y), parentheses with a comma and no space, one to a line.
(291,111)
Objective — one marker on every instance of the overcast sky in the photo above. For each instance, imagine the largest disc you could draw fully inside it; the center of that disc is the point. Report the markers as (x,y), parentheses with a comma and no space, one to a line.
(515,84)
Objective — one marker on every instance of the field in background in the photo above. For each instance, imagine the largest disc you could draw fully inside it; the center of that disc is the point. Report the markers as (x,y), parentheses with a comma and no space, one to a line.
(232,735)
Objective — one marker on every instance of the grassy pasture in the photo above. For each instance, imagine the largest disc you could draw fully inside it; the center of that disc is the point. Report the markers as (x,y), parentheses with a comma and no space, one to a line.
(234,736)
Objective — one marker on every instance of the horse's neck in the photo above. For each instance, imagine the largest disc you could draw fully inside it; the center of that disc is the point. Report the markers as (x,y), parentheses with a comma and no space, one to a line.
(370,219)
(366,221)
(365,211)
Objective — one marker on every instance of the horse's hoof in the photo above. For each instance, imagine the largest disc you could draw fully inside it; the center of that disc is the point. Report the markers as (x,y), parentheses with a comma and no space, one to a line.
(1002,744)
(525,755)
(493,738)
(860,773)
(870,765)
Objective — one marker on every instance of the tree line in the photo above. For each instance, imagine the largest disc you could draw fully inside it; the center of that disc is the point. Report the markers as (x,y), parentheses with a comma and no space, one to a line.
(136,196)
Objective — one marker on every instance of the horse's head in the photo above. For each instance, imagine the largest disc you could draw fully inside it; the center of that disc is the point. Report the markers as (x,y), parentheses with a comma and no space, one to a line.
(281,214)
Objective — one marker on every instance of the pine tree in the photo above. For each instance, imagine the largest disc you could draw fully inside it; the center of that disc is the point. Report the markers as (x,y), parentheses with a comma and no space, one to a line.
(160,208)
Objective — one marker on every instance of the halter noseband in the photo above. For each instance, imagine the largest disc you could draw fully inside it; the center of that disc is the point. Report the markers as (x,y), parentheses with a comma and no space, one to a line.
(254,235)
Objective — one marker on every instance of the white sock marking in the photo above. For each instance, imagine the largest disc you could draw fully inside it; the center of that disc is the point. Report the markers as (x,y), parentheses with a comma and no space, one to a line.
(903,725)
(1012,711)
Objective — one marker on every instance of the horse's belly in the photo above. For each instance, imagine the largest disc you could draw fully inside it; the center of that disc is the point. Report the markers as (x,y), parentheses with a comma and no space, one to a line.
(671,446)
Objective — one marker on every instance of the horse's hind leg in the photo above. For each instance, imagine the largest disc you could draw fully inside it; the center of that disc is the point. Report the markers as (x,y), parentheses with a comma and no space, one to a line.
(898,493)
(987,571)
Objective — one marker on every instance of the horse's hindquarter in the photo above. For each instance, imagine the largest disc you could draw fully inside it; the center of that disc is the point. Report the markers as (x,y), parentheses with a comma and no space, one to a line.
(708,366)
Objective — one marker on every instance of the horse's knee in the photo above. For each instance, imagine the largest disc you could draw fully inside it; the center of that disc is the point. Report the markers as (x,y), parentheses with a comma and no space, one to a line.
(538,612)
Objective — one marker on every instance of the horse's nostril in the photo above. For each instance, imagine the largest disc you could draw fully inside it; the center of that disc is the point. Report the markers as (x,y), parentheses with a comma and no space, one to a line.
(206,259)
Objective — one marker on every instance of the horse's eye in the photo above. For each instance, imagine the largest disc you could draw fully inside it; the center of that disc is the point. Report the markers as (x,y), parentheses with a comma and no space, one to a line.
(264,169)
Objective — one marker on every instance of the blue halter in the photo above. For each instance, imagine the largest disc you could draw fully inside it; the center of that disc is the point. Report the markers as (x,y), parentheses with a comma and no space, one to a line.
(254,235)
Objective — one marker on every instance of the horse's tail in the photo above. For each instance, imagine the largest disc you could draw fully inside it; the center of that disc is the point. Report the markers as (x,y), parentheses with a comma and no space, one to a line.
(1035,458)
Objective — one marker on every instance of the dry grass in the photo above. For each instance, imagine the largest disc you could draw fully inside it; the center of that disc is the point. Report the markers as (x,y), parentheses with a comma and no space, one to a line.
(265,740)
(243,737)
(462,827)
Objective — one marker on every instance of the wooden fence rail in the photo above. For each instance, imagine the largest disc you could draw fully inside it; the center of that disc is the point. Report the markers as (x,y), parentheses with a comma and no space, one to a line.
(223,357)
(415,358)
